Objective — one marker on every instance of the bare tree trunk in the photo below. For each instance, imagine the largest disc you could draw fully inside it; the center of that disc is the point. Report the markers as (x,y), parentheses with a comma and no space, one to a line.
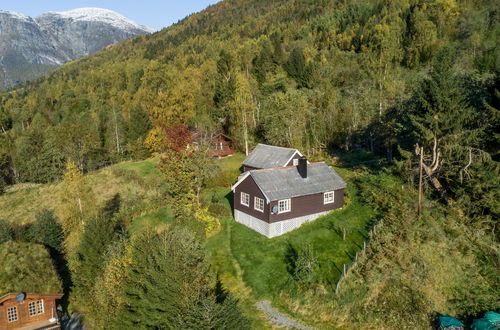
(420,188)
(245,132)
(79,200)
(118,149)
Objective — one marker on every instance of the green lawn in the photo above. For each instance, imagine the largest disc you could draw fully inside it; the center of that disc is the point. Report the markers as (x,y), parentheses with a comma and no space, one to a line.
(254,267)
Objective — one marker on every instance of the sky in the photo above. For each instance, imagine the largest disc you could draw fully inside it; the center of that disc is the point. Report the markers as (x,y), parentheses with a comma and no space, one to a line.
(154,14)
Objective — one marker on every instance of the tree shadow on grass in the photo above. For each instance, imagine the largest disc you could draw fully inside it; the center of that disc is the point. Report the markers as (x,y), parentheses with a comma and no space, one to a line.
(62,269)
(230,198)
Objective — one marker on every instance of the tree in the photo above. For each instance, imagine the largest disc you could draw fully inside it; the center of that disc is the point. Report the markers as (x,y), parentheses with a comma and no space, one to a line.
(444,122)
(137,130)
(285,118)
(167,275)
(243,109)
(225,86)
(78,204)
(46,230)
(99,233)
(168,286)
(297,68)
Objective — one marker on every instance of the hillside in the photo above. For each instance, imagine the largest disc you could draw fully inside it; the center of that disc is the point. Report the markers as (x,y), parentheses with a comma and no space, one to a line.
(437,255)
(31,47)
(369,86)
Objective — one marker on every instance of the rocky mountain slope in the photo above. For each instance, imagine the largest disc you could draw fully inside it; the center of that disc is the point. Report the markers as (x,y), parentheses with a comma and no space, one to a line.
(30,47)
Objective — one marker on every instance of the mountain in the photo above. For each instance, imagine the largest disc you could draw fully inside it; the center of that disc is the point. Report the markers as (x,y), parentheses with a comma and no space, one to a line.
(30,47)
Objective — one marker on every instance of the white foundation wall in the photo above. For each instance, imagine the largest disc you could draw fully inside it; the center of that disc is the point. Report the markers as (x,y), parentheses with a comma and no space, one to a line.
(271,230)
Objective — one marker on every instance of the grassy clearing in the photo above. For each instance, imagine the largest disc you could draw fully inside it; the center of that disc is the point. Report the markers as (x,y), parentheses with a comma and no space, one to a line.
(136,182)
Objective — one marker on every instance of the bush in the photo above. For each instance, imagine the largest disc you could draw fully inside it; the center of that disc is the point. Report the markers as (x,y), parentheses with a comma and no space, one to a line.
(224,179)
(6,231)
(217,210)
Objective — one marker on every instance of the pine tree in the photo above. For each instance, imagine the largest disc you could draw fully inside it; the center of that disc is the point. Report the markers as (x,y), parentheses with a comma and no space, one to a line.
(46,230)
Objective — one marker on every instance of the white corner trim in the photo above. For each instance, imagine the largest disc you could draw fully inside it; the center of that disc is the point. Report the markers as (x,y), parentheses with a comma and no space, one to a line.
(233,187)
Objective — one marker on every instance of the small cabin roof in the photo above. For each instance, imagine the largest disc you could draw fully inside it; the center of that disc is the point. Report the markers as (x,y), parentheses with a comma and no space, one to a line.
(286,182)
(266,156)
(221,135)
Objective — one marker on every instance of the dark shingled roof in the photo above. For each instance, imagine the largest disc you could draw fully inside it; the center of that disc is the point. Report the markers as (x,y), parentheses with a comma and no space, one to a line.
(266,156)
(286,182)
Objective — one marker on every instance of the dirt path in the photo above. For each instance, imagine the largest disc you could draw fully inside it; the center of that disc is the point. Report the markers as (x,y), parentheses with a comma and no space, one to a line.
(279,319)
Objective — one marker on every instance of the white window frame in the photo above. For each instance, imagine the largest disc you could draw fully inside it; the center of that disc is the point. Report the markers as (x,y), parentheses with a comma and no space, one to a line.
(36,308)
(12,314)
(39,307)
(295,162)
(244,197)
(329,197)
(284,206)
(258,204)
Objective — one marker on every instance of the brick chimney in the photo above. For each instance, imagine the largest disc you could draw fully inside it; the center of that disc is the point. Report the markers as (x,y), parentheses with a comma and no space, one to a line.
(302,167)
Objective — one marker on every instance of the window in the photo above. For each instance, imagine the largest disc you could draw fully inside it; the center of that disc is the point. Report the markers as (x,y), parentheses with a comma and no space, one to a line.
(284,206)
(245,199)
(12,314)
(258,204)
(39,307)
(32,308)
(296,162)
(35,307)
(328,197)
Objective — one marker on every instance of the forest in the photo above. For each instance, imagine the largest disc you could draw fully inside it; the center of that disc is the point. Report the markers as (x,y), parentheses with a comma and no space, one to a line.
(334,78)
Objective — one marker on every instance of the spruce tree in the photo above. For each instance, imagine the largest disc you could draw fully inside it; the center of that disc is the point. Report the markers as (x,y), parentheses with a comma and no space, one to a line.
(168,286)
(46,230)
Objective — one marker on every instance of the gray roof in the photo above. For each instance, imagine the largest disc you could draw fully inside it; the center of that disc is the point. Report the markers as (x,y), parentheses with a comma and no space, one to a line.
(286,182)
(266,156)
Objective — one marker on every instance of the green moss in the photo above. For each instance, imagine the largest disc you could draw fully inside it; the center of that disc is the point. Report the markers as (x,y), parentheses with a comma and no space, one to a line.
(27,267)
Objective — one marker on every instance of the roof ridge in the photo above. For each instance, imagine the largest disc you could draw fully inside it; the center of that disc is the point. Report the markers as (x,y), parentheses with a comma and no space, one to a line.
(269,145)
(283,167)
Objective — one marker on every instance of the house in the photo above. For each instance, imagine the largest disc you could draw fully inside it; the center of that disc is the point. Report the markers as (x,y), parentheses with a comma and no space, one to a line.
(33,311)
(277,200)
(221,145)
(266,156)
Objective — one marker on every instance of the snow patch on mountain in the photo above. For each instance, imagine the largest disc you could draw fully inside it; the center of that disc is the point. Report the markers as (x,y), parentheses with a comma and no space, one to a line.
(15,15)
(101,15)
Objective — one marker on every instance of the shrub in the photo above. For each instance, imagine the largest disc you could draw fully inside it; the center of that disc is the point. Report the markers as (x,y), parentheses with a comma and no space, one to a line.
(6,231)
(217,210)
